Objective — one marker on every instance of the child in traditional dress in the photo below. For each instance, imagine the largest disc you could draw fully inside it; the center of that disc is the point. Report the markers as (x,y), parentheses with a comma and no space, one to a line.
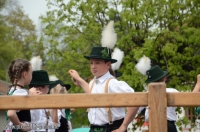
(40,118)
(64,115)
(20,73)
(105,119)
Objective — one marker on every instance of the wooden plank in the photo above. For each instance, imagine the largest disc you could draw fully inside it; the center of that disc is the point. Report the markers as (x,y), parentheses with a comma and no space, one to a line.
(183,99)
(157,107)
(73,101)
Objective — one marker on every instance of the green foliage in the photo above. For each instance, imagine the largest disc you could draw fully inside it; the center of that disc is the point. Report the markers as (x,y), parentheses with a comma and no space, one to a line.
(18,36)
(166,31)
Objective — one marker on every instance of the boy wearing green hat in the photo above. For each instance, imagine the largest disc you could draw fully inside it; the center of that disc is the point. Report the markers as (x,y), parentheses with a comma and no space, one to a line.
(40,118)
(156,74)
(102,119)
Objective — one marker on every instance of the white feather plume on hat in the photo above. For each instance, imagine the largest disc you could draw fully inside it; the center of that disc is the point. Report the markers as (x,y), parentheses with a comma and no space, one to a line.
(117,55)
(36,63)
(53,78)
(109,37)
(143,65)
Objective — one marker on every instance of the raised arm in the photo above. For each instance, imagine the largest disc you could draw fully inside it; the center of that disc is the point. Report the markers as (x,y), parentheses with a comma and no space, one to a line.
(78,81)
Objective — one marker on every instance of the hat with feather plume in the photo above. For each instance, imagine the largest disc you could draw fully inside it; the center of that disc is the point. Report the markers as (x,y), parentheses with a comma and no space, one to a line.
(39,77)
(118,55)
(108,42)
(154,73)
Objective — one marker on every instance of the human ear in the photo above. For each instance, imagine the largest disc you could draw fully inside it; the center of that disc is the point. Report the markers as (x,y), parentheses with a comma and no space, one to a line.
(108,64)
(24,74)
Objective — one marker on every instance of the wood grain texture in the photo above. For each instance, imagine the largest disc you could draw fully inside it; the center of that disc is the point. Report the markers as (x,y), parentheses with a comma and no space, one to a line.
(157,107)
(73,101)
(183,99)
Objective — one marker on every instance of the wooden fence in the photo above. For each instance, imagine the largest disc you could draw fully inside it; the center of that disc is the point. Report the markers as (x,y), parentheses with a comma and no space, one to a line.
(157,99)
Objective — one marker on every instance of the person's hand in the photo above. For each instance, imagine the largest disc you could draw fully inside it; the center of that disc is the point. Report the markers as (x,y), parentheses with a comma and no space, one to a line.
(25,126)
(75,76)
(34,91)
(120,129)
(58,89)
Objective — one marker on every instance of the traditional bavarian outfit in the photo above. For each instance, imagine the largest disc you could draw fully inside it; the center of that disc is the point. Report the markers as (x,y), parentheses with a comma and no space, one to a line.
(40,118)
(23,115)
(106,119)
(154,75)
(99,118)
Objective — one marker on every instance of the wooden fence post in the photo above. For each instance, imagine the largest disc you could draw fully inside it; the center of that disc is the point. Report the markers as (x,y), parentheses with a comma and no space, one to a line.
(157,103)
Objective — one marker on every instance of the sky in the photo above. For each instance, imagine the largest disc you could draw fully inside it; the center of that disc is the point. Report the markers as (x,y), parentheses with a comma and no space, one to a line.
(34,8)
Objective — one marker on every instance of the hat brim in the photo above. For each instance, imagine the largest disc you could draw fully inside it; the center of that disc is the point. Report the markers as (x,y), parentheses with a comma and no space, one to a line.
(156,79)
(67,86)
(98,57)
(41,83)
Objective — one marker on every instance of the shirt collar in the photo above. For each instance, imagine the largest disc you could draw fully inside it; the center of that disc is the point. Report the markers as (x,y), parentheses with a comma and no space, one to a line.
(103,78)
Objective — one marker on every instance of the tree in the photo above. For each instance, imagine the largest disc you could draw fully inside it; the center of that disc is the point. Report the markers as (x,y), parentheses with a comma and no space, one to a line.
(18,35)
(167,31)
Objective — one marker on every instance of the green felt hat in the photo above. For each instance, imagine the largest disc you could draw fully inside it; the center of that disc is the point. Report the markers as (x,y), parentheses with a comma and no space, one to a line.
(55,83)
(155,73)
(102,53)
(40,77)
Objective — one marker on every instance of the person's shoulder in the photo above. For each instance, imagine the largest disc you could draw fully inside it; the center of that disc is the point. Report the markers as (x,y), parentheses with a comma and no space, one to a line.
(120,84)
(171,90)
(20,92)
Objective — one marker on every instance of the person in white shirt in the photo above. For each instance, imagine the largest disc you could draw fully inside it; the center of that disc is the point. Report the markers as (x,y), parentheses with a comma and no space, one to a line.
(20,74)
(99,118)
(41,119)
(156,74)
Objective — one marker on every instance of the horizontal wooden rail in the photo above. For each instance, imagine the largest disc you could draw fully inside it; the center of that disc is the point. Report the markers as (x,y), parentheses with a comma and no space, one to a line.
(183,99)
(94,100)
(73,101)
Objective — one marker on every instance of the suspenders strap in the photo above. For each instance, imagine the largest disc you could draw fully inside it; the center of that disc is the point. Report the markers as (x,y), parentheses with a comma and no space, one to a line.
(108,109)
(106,91)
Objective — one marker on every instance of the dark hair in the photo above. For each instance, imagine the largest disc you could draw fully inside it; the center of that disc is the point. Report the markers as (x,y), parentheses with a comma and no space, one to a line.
(161,80)
(16,68)
(111,72)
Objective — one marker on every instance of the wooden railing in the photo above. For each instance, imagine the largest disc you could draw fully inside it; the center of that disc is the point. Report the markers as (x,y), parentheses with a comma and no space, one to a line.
(157,99)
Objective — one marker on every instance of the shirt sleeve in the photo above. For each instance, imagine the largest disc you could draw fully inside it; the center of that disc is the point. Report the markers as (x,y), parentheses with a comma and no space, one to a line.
(20,92)
(116,86)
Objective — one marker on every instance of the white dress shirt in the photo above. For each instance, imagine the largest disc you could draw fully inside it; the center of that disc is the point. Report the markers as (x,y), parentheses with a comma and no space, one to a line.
(99,116)
(38,116)
(171,111)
